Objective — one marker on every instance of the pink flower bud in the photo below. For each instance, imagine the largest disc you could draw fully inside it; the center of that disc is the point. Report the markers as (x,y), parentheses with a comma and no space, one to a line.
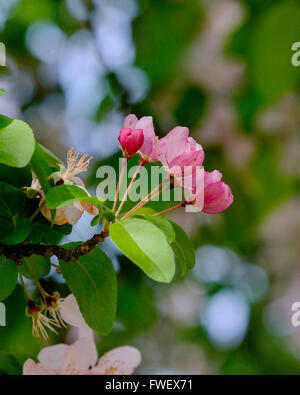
(217,195)
(131,141)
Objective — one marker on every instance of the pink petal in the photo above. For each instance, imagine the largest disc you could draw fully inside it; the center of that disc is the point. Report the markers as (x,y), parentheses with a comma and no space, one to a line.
(71,314)
(51,357)
(175,143)
(217,197)
(78,181)
(146,124)
(130,122)
(35,184)
(194,146)
(79,357)
(90,208)
(60,217)
(85,332)
(121,360)
(73,212)
(211,177)
(194,185)
(187,159)
(30,368)
(158,155)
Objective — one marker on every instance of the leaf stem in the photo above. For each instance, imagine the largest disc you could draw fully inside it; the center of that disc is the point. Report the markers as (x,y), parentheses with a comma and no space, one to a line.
(37,211)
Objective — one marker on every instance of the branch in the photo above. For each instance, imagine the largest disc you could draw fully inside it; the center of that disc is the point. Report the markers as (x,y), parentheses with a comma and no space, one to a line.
(19,251)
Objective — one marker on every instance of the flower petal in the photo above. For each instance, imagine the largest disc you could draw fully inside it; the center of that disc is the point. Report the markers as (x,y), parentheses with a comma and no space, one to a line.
(73,212)
(51,357)
(35,184)
(60,217)
(175,143)
(79,357)
(121,360)
(130,122)
(31,368)
(70,312)
(187,159)
(78,181)
(193,145)
(146,124)
(217,197)
(194,189)
(211,177)
(89,208)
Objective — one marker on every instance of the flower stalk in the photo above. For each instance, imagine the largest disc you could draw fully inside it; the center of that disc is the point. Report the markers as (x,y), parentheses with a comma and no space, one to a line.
(140,165)
(153,194)
(124,163)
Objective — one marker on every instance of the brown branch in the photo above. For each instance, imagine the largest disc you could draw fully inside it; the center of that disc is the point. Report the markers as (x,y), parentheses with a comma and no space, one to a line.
(19,251)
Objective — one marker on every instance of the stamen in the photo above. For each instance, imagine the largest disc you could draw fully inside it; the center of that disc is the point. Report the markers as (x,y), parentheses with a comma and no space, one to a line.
(40,320)
(53,307)
(77,163)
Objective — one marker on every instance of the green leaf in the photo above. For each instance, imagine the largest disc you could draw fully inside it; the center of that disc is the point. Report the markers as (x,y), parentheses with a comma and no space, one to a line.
(18,177)
(163,224)
(9,365)
(184,249)
(147,246)
(2,91)
(108,215)
(144,211)
(16,142)
(8,277)
(35,267)
(92,280)
(63,195)
(41,168)
(15,230)
(96,220)
(95,201)
(12,200)
(51,158)
(43,233)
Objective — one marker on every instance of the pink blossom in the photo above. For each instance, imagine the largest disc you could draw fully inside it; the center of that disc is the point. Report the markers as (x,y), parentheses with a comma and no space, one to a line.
(178,149)
(217,194)
(80,358)
(182,157)
(149,149)
(131,141)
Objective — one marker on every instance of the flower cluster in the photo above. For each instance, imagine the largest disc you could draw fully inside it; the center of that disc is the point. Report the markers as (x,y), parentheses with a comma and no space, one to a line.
(81,357)
(180,155)
(176,152)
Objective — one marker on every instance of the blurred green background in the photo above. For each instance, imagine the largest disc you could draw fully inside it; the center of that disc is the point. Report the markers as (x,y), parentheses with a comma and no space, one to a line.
(223,68)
